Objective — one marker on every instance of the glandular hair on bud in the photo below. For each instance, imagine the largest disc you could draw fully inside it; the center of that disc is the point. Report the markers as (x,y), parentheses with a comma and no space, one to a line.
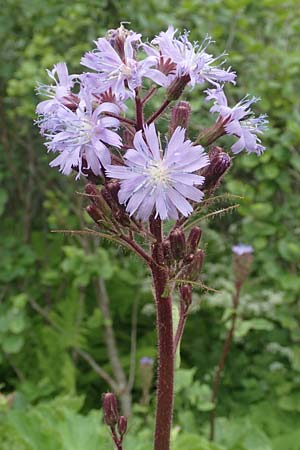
(180,116)
(110,409)
(122,425)
(177,242)
(193,239)
(242,266)
(220,162)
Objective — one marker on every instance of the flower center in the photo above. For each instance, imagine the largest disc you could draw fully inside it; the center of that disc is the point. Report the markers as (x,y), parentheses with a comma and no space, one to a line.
(157,173)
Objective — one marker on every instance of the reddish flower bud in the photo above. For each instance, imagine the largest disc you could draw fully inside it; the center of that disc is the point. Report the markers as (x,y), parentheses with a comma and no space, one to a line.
(177,241)
(113,188)
(167,252)
(97,199)
(94,212)
(194,268)
(122,425)
(193,239)
(110,409)
(220,162)
(116,38)
(180,116)
(186,294)
(177,86)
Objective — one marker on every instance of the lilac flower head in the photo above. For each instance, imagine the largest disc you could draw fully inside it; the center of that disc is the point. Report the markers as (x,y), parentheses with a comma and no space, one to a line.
(239,121)
(81,137)
(119,74)
(242,249)
(146,361)
(189,58)
(157,179)
(60,92)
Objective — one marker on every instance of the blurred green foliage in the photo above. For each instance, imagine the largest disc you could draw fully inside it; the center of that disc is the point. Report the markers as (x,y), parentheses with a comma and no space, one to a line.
(54,273)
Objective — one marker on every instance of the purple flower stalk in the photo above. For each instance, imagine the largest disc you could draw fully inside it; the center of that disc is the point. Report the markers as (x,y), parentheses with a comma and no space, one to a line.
(81,137)
(153,179)
(239,121)
(242,249)
(121,75)
(189,58)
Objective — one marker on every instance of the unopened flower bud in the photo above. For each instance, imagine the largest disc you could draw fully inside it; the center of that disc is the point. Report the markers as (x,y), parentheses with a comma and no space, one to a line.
(220,162)
(242,262)
(193,239)
(180,116)
(97,199)
(177,241)
(110,409)
(167,251)
(94,212)
(146,372)
(177,86)
(186,294)
(122,425)
(116,38)
(113,188)
(194,268)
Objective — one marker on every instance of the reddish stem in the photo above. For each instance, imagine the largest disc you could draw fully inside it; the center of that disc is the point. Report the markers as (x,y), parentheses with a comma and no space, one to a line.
(223,357)
(160,110)
(139,111)
(149,94)
(120,118)
(165,377)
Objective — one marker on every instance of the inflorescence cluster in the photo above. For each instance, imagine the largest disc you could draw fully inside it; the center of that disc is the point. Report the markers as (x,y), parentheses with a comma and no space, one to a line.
(87,121)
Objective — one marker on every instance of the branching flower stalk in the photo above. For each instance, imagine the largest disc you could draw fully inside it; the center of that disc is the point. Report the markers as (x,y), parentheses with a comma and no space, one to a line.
(138,178)
(242,260)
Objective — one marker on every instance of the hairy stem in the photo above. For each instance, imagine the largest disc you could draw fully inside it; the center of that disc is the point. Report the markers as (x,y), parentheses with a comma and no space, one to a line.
(139,112)
(180,327)
(165,377)
(222,360)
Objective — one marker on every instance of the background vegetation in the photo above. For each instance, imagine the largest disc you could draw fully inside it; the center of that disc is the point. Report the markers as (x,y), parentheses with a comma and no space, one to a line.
(51,322)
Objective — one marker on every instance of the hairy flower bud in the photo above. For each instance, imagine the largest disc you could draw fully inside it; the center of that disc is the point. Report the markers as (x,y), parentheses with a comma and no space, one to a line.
(177,86)
(146,373)
(122,425)
(97,199)
(180,116)
(94,212)
(220,162)
(177,242)
(110,409)
(168,257)
(186,294)
(113,188)
(193,239)
(194,268)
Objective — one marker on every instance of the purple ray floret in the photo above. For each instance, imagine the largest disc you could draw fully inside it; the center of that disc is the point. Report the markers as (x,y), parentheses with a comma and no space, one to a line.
(57,92)
(81,137)
(190,58)
(242,249)
(158,180)
(239,121)
(121,75)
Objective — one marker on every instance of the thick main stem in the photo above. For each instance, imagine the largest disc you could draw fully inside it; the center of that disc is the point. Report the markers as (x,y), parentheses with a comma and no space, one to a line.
(222,360)
(165,377)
